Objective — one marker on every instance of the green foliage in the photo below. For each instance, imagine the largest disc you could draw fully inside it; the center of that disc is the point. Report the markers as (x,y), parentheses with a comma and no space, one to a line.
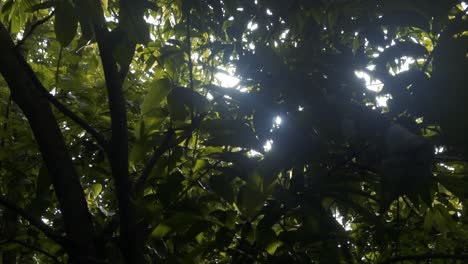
(344,179)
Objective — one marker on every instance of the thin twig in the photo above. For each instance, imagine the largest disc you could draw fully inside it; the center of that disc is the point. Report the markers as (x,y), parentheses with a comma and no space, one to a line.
(439,158)
(59,60)
(190,62)
(194,182)
(32,219)
(62,108)
(154,158)
(165,146)
(33,27)
(5,124)
(426,257)
(26,245)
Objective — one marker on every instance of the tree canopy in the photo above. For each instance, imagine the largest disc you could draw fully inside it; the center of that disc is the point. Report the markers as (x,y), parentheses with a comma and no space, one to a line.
(233,131)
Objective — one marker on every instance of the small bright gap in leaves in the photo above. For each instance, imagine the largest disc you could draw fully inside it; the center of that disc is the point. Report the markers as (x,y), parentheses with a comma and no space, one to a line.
(226,81)
(340,220)
(376,85)
(439,149)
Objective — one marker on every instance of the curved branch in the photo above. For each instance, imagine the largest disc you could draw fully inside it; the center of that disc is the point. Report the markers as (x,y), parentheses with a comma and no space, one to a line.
(32,220)
(426,257)
(33,27)
(64,110)
(67,112)
(165,146)
(54,101)
(61,107)
(45,253)
(49,138)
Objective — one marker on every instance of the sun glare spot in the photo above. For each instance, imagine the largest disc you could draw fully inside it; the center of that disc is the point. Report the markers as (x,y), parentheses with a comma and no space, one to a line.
(284,34)
(268,145)
(371,84)
(254,153)
(340,219)
(278,120)
(405,63)
(226,80)
(382,100)
(439,149)
(252,26)
(45,221)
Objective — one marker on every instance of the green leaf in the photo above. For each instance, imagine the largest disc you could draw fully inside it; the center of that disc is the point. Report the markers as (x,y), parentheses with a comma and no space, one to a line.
(400,49)
(169,190)
(182,100)
(138,152)
(95,190)
(66,22)
(405,19)
(158,91)
(250,200)
(221,184)
(160,231)
(132,22)
(199,164)
(229,133)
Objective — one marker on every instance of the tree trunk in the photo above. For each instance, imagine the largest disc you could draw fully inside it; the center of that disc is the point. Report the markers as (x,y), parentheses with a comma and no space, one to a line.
(21,81)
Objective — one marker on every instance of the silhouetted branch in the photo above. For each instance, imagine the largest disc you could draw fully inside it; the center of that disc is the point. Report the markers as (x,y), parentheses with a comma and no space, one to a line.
(426,257)
(63,109)
(33,27)
(165,146)
(34,248)
(439,158)
(67,112)
(31,219)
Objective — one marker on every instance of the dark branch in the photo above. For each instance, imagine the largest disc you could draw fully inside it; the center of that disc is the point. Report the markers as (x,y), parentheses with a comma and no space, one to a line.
(118,149)
(31,219)
(49,138)
(61,107)
(45,253)
(67,112)
(439,158)
(189,50)
(426,257)
(192,184)
(165,146)
(33,27)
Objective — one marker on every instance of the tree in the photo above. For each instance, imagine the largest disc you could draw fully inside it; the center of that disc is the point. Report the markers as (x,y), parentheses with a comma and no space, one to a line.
(233,131)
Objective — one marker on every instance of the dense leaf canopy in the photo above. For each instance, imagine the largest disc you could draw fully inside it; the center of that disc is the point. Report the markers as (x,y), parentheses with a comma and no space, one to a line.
(233,131)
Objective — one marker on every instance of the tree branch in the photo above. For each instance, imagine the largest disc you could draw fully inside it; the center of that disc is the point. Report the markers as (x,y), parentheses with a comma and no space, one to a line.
(118,154)
(61,107)
(443,158)
(33,27)
(36,108)
(45,253)
(31,219)
(165,146)
(67,112)
(426,257)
